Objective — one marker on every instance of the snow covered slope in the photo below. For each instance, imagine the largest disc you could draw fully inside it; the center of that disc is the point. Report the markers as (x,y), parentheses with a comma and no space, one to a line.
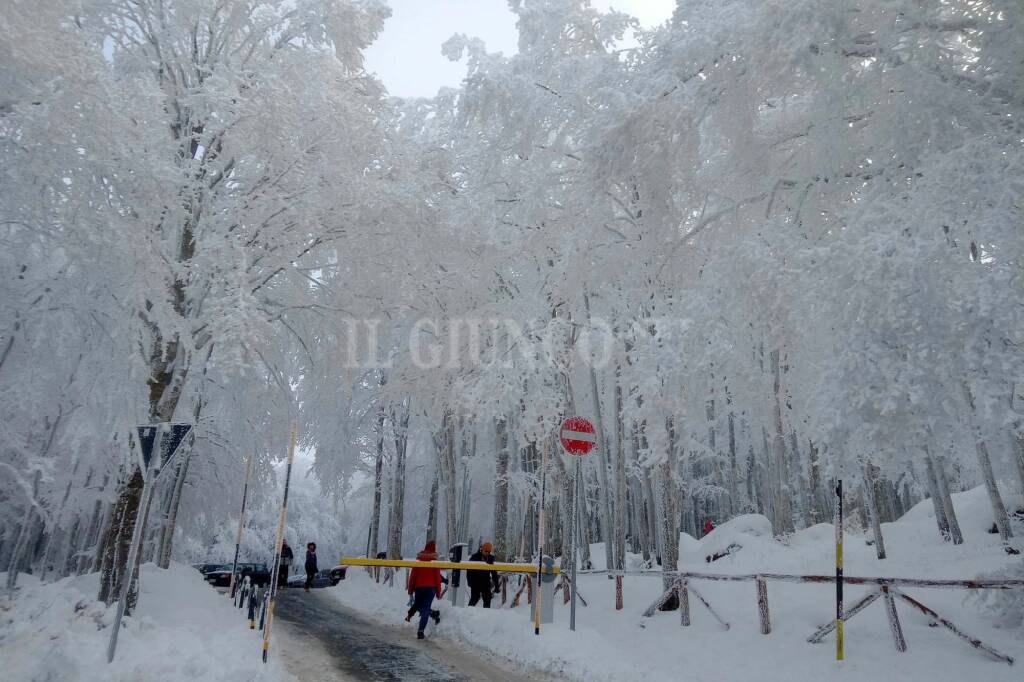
(183,630)
(610,645)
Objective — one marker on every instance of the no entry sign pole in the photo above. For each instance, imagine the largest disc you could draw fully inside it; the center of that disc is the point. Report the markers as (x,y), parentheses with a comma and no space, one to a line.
(573,541)
(578,438)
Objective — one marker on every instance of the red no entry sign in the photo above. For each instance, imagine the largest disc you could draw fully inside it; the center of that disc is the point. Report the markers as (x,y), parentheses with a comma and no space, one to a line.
(577,436)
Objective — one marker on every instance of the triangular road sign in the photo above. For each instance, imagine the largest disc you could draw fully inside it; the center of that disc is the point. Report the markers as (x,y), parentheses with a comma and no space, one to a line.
(147,438)
(171,437)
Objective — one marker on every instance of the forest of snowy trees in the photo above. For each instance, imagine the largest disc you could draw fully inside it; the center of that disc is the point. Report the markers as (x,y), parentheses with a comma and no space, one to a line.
(767,245)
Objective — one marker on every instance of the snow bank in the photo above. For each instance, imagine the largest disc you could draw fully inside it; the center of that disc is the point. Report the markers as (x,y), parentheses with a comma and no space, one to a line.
(183,630)
(615,646)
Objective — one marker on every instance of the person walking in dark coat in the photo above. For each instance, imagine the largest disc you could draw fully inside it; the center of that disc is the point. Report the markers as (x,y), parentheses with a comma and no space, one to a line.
(287,557)
(481,583)
(311,568)
(424,585)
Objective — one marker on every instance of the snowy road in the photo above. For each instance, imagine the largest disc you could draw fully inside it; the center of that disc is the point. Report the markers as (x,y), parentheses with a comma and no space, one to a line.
(322,640)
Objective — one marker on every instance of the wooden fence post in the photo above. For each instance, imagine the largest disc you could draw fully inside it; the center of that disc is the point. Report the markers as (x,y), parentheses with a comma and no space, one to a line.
(684,604)
(618,592)
(894,619)
(762,606)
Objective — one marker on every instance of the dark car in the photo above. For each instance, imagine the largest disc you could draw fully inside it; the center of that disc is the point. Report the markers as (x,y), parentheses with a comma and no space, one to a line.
(329,577)
(206,568)
(258,574)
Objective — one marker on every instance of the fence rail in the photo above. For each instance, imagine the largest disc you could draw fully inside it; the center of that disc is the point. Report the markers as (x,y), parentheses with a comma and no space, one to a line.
(995,584)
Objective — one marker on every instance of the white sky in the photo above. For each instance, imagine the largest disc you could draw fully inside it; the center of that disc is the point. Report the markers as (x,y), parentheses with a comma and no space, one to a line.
(407,55)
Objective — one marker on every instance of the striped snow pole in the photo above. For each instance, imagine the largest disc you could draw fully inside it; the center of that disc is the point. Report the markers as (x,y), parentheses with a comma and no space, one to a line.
(241,520)
(272,588)
(839,570)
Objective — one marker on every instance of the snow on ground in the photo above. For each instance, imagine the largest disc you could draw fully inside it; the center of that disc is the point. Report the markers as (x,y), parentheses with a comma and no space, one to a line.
(183,630)
(610,645)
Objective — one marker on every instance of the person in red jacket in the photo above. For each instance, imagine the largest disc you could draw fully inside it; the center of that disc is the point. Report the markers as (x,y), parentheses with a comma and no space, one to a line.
(425,584)
(708,526)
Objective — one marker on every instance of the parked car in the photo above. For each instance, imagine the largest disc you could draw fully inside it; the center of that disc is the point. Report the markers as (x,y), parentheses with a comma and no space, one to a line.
(206,568)
(329,577)
(259,574)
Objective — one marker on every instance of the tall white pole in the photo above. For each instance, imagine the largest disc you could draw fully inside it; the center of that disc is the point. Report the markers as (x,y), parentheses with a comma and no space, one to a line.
(241,520)
(277,545)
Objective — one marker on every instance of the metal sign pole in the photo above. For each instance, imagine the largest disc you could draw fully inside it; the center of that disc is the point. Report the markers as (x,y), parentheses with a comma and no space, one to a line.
(241,520)
(129,572)
(574,532)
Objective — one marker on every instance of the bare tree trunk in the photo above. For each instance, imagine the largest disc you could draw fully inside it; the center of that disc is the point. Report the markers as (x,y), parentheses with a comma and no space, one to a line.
(17,556)
(117,541)
(432,511)
(378,484)
(99,531)
(171,521)
(583,512)
(783,516)
(55,541)
(798,481)
(670,513)
(936,496)
(734,494)
(947,501)
(603,459)
(985,464)
(1018,441)
(620,477)
(871,503)
(396,520)
(650,513)
(501,489)
(447,478)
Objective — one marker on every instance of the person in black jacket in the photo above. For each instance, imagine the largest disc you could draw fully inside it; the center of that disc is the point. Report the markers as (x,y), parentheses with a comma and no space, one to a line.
(311,568)
(287,557)
(481,583)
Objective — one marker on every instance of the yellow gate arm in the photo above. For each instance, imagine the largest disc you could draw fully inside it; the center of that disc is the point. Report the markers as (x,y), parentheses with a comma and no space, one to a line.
(446,565)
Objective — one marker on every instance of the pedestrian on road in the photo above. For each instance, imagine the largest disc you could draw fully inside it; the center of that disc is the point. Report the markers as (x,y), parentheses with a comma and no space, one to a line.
(311,568)
(481,583)
(425,584)
(287,556)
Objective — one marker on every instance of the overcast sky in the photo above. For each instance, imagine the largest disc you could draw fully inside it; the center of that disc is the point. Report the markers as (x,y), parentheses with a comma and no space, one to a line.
(407,56)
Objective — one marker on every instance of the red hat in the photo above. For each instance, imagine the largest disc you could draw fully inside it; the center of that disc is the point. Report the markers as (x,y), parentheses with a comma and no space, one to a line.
(430,547)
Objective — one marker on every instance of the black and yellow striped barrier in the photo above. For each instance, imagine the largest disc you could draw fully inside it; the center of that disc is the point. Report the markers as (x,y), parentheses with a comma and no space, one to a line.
(448,565)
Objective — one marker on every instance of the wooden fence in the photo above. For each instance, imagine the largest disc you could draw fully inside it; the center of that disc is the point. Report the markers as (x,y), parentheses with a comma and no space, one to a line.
(888,589)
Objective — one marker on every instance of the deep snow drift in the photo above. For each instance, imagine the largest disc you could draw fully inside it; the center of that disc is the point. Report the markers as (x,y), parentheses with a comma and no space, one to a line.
(610,645)
(182,630)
